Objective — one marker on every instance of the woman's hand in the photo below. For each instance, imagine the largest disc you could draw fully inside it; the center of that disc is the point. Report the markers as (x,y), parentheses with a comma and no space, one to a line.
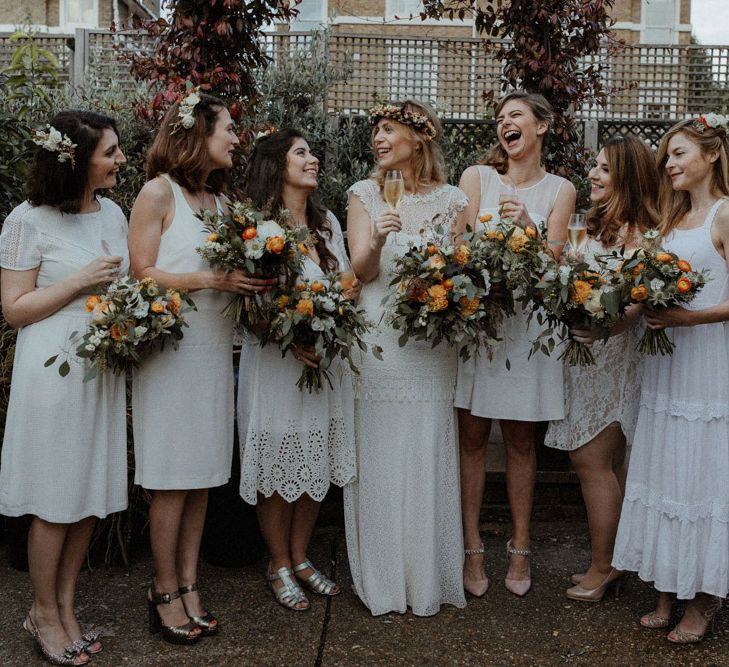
(306,355)
(102,270)
(241,283)
(516,213)
(352,293)
(675,316)
(385,224)
(586,336)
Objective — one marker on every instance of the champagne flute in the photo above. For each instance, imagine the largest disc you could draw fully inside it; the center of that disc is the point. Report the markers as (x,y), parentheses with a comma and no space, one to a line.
(576,234)
(508,193)
(346,276)
(394,188)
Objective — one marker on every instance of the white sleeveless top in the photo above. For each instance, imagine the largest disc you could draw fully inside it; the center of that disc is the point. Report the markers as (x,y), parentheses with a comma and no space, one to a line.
(531,390)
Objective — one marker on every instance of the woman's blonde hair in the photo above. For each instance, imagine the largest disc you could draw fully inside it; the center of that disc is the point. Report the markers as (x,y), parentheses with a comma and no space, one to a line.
(634,199)
(427,161)
(542,110)
(674,205)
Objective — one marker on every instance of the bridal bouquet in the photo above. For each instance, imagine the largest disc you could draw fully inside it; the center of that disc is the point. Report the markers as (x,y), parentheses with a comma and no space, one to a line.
(572,295)
(442,293)
(129,320)
(318,316)
(246,239)
(659,279)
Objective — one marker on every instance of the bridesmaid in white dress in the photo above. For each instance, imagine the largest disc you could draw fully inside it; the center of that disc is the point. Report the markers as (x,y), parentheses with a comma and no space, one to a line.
(64,455)
(183,400)
(674,526)
(293,443)
(531,389)
(601,401)
(403,513)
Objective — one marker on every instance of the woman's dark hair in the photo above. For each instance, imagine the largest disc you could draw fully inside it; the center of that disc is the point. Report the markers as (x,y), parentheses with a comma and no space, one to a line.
(182,152)
(63,184)
(264,187)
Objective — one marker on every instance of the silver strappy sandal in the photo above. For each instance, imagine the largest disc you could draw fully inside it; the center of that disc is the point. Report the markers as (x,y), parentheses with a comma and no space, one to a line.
(317,582)
(290,594)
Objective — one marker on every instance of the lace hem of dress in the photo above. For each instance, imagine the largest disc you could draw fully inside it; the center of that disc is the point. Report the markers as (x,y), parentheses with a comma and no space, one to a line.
(653,499)
(385,388)
(658,402)
(568,444)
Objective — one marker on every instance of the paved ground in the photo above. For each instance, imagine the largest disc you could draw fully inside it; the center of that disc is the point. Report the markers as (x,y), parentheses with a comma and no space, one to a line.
(542,629)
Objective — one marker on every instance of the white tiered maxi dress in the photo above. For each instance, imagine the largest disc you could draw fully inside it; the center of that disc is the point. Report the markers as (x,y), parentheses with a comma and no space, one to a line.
(64,455)
(292,441)
(402,514)
(182,400)
(674,525)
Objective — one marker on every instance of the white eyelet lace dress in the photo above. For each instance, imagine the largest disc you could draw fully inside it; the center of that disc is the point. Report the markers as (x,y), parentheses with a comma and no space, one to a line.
(182,400)
(64,455)
(291,441)
(530,389)
(674,525)
(402,514)
(600,395)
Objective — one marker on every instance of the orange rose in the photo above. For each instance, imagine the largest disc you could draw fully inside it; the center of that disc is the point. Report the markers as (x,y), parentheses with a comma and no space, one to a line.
(249,233)
(212,237)
(486,217)
(664,257)
(432,248)
(438,298)
(462,255)
(300,286)
(117,332)
(157,307)
(468,306)
(638,269)
(639,293)
(517,242)
(175,302)
(683,285)
(683,265)
(447,283)
(275,244)
(303,248)
(92,302)
(305,307)
(317,287)
(580,291)
(531,232)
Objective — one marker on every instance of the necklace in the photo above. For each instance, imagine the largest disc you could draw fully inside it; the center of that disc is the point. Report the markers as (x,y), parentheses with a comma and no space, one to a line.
(200,201)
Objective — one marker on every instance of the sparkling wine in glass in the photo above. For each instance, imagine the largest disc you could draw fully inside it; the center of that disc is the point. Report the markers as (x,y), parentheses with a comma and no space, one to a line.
(508,193)
(576,234)
(394,188)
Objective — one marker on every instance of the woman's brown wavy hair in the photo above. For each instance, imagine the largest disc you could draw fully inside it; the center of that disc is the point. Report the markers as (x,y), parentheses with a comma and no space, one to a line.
(634,199)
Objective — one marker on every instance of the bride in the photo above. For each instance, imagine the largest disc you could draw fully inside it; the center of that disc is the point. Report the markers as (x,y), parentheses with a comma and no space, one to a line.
(403,513)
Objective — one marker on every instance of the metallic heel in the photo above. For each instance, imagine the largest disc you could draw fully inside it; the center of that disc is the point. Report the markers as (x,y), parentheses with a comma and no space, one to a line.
(207,623)
(290,594)
(317,582)
(173,634)
(90,640)
(613,580)
(71,653)
(708,610)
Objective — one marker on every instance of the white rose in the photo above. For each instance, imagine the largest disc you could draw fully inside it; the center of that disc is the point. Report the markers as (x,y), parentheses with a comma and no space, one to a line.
(712,119)
(192,99)
(54,138)
(269,228)
(188,120)
(327,304)
(317,324)
(593,304)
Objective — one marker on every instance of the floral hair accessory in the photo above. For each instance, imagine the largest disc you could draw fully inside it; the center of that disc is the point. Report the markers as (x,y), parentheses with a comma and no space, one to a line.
(712,121)
(187,104)
(55,142)
(267,132)
(402,114)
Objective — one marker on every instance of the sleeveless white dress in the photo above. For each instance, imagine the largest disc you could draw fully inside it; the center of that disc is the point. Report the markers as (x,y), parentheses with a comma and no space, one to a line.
(600,395)
(182,401)
(402,514)
(674,526)
(531,390)
(291,441)
(64,455)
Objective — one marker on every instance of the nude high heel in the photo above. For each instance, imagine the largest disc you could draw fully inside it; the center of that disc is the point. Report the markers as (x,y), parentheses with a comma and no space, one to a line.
(479,587)
(614,580)
(518,587)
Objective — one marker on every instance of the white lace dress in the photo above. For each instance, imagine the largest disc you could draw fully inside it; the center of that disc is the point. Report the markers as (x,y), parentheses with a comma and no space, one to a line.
(600,395)
(291,441)
(674,525)
(64,454)
(402,514)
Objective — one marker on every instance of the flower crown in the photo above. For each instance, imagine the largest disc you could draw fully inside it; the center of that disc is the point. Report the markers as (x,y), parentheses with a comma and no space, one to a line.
(415,119)
(712,121)
(56,142)
(186,109)
(266,132)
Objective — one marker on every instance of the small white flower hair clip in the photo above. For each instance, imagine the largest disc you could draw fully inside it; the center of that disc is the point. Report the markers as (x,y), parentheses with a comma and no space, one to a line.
(186,110)
(714,121)
(54,141)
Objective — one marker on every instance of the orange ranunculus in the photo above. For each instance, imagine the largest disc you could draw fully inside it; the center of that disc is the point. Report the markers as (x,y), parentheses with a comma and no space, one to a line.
(305,307)
(531,232)
(664,257)
(249,233)
(517,243)
(157,307)
(438,299)
(580,291)
(432,248)
(240,219)
(468,306)
(275,244)
(92,302)
(639,293)
(637,269)
(447,283)
(683,285)
(303,248)
(283,301)
(175,302)
(316,286)
(212,237)
(683,265)
(117,332)
(301,286)
(493,235)
(462,255)
(486,217)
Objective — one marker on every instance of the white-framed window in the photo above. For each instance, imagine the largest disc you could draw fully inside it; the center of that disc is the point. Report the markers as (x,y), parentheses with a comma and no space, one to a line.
(402,8)
(312,15)
(79,13)
(413,71)
(659,21)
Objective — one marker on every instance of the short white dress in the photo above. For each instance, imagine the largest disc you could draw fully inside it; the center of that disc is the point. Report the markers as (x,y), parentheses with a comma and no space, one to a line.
(291,441)
(403,512)
(64,455)
(531,389)
(182,400)
(674,525)
(605,394)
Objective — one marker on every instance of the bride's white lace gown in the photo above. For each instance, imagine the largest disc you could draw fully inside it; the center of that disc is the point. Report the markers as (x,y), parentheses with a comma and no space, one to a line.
(402,514)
